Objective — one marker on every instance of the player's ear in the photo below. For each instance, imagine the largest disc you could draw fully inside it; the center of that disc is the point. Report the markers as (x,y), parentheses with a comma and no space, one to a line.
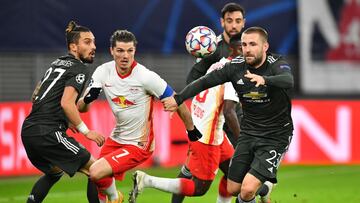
(73,47)
(266,46)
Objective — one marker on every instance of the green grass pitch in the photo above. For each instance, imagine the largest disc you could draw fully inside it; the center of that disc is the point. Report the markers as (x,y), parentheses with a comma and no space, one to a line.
(297,184)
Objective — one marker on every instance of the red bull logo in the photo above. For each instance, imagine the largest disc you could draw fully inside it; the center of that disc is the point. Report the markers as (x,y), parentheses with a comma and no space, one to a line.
(122,102)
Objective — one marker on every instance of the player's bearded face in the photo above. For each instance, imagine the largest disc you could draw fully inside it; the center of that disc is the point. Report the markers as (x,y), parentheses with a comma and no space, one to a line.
(254,49)
(124,55)
(232,22)
(86,47)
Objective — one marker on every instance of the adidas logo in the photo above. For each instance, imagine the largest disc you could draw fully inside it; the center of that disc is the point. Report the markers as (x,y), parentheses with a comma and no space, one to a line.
(240,82)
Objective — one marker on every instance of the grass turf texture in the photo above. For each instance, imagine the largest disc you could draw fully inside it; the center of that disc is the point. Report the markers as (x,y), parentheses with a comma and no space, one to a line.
(297,184)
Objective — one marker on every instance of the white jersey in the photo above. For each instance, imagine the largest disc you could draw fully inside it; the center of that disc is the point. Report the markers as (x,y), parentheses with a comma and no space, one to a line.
(207,109)
(131,99)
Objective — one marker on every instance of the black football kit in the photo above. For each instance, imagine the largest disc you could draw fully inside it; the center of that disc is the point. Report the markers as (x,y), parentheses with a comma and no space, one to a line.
(44,130)
(266,127)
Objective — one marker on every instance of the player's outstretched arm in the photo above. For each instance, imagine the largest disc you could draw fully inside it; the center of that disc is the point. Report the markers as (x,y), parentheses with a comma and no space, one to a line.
(170,104)
(91,95)
(185,115)
(70,109)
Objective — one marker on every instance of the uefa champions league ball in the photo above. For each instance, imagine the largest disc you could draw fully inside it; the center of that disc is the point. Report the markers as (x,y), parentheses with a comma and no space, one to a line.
(201,41)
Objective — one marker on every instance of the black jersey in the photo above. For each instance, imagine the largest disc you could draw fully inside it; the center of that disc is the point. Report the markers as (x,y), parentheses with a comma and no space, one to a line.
(46,109)
(267,108)
(200,68)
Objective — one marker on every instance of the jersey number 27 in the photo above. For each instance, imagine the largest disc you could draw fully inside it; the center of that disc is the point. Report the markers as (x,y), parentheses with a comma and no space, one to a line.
(58,71)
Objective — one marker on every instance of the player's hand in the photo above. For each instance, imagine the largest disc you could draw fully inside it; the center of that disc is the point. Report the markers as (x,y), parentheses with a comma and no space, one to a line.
(259,80)
(96,137)
(73,128)
(92,95)
(194,135)
(169,104)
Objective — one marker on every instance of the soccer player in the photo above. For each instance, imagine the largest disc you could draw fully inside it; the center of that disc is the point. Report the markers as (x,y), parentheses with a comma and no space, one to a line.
(43,134)
(233,21)
(264,84)
(130,89)
(208,154)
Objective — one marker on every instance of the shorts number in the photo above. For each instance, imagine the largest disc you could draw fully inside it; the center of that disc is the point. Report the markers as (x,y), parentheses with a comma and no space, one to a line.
(275,158)
(124,153)
(47,75)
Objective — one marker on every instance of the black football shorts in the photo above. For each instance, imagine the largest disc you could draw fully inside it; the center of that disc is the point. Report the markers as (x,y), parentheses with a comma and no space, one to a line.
(55,148)
(257,156)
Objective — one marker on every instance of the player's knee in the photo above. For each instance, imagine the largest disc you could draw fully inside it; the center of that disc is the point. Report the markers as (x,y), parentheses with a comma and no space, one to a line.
(234,191)
(247,192)
(94,173)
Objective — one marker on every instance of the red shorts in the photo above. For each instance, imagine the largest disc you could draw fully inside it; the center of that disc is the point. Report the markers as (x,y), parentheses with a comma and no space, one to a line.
(122,157)
(203,160)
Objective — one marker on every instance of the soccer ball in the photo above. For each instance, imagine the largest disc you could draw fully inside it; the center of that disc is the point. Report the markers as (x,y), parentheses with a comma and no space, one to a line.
(200,41)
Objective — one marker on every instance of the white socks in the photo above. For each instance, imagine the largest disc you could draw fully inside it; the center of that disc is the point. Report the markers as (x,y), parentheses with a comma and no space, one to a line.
(221,199)
(171,185)
(111,191)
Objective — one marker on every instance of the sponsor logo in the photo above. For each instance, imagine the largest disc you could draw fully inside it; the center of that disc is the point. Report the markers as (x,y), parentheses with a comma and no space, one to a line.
(255,95)
(134,90)
(122,101)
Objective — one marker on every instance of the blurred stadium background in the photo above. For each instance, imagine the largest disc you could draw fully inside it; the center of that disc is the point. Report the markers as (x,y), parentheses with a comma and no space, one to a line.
(321,39)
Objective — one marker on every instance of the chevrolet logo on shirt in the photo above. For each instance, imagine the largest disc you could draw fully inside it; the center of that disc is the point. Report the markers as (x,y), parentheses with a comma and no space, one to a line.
(255,95)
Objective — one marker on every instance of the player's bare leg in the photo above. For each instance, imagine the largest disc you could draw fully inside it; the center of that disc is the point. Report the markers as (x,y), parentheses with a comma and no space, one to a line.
(100,173)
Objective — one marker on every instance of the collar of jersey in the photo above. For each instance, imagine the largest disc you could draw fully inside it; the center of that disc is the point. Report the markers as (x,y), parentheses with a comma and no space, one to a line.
(126,75)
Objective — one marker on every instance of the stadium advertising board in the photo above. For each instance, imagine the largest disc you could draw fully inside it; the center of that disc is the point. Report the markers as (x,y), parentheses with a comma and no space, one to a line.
(329,40)
(326,132)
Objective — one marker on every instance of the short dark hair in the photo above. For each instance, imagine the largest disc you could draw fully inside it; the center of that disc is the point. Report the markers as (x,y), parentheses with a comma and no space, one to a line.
(122,36)
(72,33)
(261,31)
(231,7)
